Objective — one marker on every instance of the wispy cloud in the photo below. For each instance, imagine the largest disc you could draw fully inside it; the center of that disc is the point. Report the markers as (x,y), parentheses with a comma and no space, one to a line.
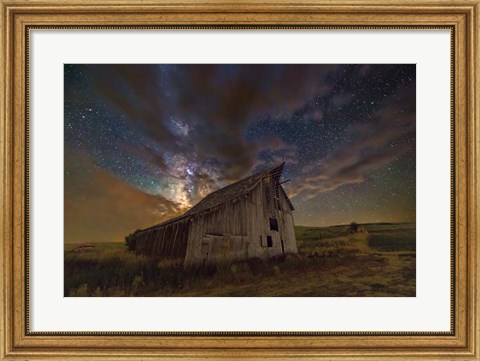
(368,150)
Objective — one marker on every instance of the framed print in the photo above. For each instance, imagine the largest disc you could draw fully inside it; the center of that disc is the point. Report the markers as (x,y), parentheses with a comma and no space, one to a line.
(252,239)
(239,180)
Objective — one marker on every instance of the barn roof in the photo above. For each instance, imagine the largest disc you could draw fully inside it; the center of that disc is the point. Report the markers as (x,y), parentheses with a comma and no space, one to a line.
(234,190)
(230,192)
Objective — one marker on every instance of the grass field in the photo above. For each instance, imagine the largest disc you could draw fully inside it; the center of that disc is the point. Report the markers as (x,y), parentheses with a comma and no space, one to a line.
(331,262)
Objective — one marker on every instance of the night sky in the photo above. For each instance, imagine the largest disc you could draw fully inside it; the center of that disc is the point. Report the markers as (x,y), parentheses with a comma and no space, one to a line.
(144,143)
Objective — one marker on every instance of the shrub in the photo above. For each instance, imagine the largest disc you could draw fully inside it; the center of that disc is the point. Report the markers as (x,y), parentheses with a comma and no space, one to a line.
(81,291)
(276,270)
(137,282)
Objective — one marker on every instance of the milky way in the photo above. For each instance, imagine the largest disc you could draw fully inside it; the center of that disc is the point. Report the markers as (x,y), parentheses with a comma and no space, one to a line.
(143,143)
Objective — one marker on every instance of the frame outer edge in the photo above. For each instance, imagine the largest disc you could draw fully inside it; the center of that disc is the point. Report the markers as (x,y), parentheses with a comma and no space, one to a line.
(3,81)
(472,185)
(472,151)
(475,141)
(6,325)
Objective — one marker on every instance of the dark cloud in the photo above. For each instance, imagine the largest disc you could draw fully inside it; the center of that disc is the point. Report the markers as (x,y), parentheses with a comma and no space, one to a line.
(145,153)
(136,94)
(214,104)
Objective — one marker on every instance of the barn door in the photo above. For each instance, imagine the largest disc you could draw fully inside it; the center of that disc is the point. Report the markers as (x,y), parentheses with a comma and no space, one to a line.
(204,251)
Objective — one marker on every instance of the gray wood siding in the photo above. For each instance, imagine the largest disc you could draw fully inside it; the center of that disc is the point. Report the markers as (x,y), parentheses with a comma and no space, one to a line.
(235,229)
(219,234)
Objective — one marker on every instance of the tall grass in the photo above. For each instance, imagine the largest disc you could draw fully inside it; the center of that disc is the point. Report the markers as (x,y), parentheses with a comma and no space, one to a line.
(130,275)
(111,270)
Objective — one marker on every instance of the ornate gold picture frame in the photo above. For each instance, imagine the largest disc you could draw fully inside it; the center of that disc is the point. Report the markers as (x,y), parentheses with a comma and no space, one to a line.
(19,17)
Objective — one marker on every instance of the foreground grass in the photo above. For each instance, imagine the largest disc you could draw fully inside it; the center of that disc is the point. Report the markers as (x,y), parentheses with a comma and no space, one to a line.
(330,262)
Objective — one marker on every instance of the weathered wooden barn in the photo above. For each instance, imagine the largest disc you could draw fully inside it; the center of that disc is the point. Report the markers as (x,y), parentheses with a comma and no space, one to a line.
(250,218)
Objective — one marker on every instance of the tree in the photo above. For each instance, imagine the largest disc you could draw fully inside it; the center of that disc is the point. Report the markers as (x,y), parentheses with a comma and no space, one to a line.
(131,241)
(353,227)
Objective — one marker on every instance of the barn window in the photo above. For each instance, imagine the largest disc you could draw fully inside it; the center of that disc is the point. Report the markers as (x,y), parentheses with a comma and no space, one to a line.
(269,241)
(273,224)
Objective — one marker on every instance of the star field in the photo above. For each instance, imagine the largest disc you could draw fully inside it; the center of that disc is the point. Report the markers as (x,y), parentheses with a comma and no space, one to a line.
(143,143)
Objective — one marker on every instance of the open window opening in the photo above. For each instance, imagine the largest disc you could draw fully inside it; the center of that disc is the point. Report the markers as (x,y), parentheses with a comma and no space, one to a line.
(273,224)
(269,241)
